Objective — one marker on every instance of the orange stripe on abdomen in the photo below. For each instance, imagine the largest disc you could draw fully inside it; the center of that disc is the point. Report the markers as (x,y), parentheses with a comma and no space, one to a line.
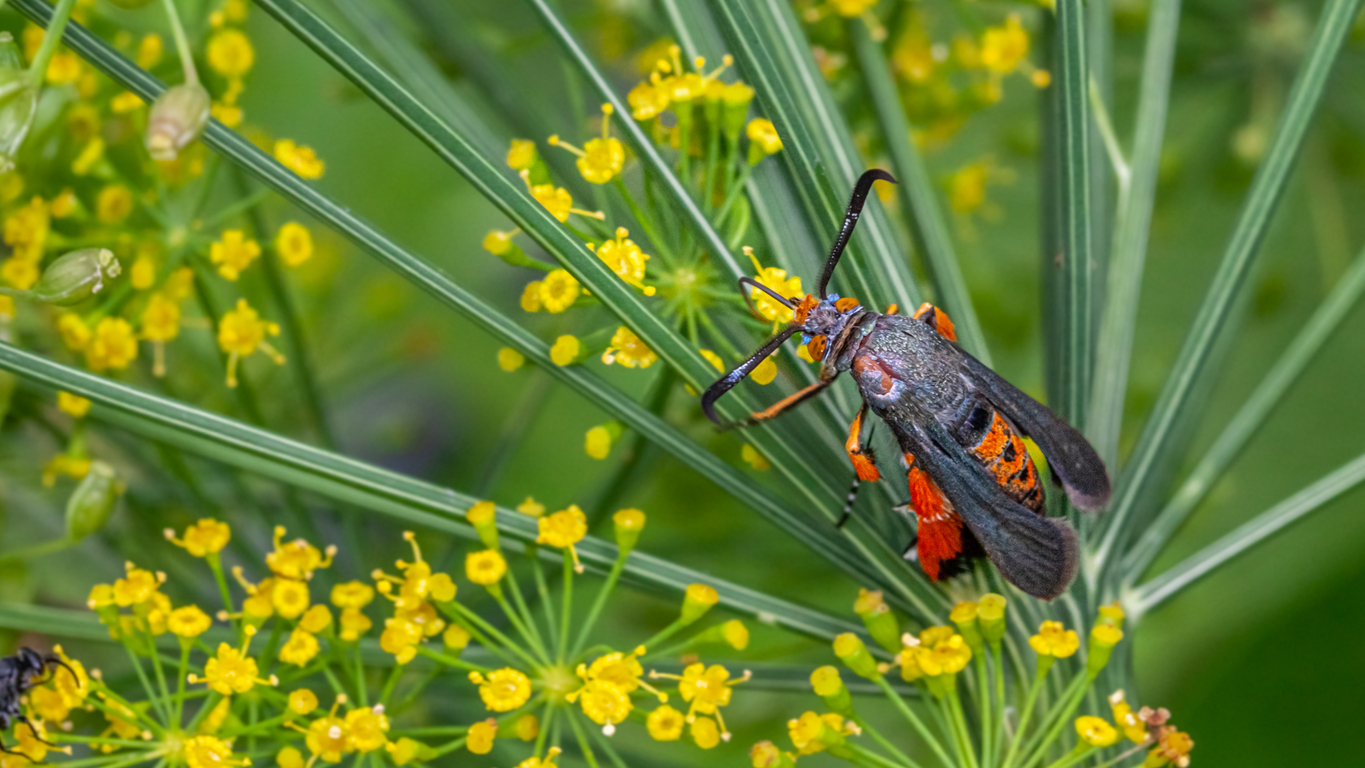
(1004,454)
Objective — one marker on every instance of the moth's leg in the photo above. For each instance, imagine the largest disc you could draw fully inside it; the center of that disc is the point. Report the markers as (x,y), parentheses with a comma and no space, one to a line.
(785,404)
(937,319)
(863,463)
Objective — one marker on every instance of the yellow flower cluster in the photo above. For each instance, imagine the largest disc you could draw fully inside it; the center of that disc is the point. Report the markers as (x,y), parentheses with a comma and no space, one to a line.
(417,594)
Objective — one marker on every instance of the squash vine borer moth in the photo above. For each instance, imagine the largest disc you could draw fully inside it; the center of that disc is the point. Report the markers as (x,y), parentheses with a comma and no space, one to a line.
(973,487)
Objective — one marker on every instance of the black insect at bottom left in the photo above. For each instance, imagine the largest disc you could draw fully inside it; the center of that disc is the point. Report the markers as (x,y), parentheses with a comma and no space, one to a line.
(20,674)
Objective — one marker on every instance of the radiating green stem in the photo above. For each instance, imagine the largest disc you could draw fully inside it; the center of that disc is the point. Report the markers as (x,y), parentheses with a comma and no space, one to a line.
(915,722)
(598,604)
(37,69)
(1030,700)
(182,43)
(566,616)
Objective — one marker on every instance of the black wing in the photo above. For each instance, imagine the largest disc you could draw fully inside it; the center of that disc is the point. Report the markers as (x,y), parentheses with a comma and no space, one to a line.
(1069,454)
(1034,553)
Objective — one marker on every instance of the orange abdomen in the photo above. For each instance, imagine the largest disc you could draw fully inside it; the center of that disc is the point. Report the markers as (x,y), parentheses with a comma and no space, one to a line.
(1003,453)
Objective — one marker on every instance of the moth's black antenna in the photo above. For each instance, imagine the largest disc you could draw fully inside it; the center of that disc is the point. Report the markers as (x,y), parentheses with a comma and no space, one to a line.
(855,209)
(779,298)
(729,380)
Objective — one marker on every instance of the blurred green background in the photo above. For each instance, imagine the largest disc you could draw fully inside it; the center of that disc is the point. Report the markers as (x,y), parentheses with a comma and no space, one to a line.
(1255,662)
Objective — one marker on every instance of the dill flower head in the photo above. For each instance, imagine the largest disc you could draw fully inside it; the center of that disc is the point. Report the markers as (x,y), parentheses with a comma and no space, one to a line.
(233,253)
(300,648)
(230,53)
(296,559)
(558,291)
(327,738)
(1005,46)
(241,332)
(627,349)
(400,638)
(294,243)
(503,690)
(665,723)
(366,727)
(1055,641)
(626,259)
(486,567)
(138,586)
(352,595)
(564,528)
(480,737)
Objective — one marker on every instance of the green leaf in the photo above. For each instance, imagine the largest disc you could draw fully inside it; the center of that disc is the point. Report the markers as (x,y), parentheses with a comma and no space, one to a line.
(1249,419)
(818,152)
(919,202)
(366,486)
(1159,589)
(1155,451)
(1137,199)
(1074,258)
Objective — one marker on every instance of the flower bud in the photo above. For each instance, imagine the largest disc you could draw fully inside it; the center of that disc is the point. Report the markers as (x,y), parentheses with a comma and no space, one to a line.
(90,504)
(18,103)
(830,687)
(990,614)
(735,97)
(881,623)
(178,117)
(763,140)
(76,276)
(456,638)
(851,651)
(964,615)
(697,601)
(628,524)
(599,440)
(483,516)
(1103,638)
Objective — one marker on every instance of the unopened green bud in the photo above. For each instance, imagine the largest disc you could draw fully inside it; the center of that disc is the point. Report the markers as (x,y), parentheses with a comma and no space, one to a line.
(483,516)
(736,98)
(90,504)
(854,654)
(18,103)
(698,599)
(990,614)
(830,687)
(628,524)
(598,440)
(76,276)
(965,616)
(178,117)
(881,623)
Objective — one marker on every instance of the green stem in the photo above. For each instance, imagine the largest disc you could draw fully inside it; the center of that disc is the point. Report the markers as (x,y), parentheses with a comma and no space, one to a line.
(983,700)
(1073,757)
(38,69)
(567,612)
(1062,712)
(522,619)
(884,742)
(599,603)
(960,725)
(181,677)
(543,592)
(1030,700)
(451,661)
(182,43)
(582,739)
(37,550)
(914,720)
(496,633)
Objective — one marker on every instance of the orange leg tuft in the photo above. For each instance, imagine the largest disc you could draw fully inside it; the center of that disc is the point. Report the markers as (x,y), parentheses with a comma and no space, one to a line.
(940,528)
(867,471)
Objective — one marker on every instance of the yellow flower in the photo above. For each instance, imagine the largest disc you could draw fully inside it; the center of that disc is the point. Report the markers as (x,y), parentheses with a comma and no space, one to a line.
(1106,635)
(316,619)
(522,154)
(851,9)
(231,670)
(967,187)
(736,634)
(503,690)
(294,243)
(230,53)
(566,350)
(188,622)
(1096,731)
(626,259)
(143,273)
(1113,612)
(149,51)
(510,360)
(564,528)
(707,688)
(137,587)
(26,229)
(480,737)
(366,727)
(114,204)
(531,508)
(300,649)
(160,324)
(777,280)
(300,159)
(536,762)
(210,752)
(558,291)
(627,349)
(241,332)
(753,458)
(400,638)
(20,273)
(289,598)
(64,67)
(762,136)
(327,738)
(1004,47)
(1173,746)
(65,464)
(112,347)
(765,372)
(603,702)
(530,296)
(227,114)
(486,567)
(353,624)
(556,200)
(1053,640)
(302,701)
(352,595)
(601,159)
(809,731)
(233,253)
(75,405)
(705,733)
(204,538)
(75,333)
(948,656)
(1133,727)
(665,723)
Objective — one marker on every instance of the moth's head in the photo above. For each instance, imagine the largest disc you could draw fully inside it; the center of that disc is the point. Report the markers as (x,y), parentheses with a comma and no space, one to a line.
(821,320)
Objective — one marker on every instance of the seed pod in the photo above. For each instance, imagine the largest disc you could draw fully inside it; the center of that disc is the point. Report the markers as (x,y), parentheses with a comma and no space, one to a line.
(18,103)
(93,500)
(178,117)
(76,276)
